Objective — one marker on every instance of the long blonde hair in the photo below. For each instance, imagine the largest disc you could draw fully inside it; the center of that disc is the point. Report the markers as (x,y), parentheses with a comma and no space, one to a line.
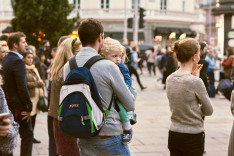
(64,53)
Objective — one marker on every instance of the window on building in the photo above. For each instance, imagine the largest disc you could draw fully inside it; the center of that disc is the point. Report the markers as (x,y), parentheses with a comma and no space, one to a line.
(163,4)
(183,6)
(139,3)
(76,3)
(105,4)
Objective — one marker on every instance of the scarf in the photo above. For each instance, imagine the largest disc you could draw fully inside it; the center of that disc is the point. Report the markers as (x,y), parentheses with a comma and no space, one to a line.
(34,69)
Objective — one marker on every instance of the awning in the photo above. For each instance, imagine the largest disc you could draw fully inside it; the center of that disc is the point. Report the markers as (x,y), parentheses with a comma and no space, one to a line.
(119,35)
(166,31)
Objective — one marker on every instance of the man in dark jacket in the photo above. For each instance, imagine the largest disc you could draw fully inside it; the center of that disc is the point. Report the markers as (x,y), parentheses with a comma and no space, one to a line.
(16,91)
(203,72)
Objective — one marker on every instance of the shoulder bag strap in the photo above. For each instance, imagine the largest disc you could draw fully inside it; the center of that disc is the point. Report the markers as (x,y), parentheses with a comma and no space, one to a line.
(93,60)
(72,63)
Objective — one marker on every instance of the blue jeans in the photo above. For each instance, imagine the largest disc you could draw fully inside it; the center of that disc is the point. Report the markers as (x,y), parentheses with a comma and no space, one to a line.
(97,146)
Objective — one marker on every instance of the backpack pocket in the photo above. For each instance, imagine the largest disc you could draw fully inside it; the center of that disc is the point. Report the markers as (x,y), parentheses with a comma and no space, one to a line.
(75,116)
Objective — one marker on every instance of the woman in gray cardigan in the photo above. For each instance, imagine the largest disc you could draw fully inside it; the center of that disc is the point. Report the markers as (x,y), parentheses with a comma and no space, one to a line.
(9,129)
(189,102)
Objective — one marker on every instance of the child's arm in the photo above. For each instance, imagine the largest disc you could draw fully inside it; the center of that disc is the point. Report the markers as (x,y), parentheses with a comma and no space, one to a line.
(127,79)
(125,72)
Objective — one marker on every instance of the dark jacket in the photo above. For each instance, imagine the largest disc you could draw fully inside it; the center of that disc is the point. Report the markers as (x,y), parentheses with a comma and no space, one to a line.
(203,72)
(15,83)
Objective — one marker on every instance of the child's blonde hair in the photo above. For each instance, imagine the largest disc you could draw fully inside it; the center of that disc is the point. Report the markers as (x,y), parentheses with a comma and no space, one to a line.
(109,45)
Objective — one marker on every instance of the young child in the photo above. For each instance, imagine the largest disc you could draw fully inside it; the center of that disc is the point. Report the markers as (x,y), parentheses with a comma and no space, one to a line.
(112,50)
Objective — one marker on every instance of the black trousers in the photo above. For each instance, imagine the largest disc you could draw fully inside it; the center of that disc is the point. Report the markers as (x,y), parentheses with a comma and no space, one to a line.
(5,154)
(183,144)
(26,135)
(134,71)
(149,66)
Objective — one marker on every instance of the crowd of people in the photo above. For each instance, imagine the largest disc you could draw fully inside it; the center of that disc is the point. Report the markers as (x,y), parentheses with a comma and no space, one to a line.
(30,74)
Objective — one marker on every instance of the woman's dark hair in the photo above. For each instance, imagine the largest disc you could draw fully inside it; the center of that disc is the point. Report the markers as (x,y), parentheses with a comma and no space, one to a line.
(27,53)
(202,45)
(230,52)
(186,49)
(89,31)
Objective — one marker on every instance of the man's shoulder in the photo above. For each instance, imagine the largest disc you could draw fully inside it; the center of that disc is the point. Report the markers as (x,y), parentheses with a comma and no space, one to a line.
(11,59)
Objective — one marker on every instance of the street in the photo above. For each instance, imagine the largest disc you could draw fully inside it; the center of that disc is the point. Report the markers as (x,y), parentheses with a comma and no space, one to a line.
(153,121)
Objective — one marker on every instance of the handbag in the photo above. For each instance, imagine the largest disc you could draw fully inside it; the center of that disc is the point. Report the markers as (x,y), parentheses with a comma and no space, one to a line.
(42,104)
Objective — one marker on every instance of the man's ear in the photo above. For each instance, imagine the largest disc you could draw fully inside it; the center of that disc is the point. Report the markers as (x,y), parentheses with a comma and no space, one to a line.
(100,38)
(15,46)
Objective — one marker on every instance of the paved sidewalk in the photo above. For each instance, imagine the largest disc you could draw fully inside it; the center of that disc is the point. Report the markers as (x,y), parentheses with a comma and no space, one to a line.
(151,131)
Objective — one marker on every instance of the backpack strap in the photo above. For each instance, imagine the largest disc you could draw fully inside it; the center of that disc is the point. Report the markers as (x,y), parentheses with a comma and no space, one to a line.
(109,107)
(93,60)
(72,63)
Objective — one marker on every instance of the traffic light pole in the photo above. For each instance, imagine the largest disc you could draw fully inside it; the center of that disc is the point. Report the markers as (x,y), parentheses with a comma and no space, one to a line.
(135,27)
(125,40)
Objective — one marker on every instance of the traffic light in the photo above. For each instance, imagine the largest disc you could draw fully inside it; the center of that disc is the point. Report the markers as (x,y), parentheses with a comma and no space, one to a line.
(130,20)
(141,18)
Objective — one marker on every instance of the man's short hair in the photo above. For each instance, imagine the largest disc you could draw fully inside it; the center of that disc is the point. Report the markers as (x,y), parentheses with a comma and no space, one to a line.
(14,38)
(89,31)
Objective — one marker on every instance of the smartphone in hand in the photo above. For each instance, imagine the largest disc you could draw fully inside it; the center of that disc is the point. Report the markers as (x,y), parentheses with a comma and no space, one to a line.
(3,116)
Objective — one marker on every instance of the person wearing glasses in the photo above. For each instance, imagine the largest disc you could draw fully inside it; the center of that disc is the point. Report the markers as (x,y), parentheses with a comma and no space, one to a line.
(3,50)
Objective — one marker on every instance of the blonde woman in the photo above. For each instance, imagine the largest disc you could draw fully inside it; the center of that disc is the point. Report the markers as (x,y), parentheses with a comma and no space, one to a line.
(3,49)
(35,85)
(65,145)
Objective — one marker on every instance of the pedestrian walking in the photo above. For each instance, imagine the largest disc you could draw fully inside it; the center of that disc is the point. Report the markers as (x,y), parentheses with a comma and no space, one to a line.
(133,66)
(35,87)
(188,100)
(65,145)
(150,59)
(109,80)
(16,91)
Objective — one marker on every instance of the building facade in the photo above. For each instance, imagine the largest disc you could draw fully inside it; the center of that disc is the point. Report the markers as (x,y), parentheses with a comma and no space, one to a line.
(162,17)
(165,20)
(6,14)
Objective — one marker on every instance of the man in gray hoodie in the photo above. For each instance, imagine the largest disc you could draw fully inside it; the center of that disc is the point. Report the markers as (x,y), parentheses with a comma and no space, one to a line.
(109,80)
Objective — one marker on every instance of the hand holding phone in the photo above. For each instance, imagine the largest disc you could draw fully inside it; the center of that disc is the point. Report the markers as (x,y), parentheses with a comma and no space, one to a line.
(5,124)
(3,116)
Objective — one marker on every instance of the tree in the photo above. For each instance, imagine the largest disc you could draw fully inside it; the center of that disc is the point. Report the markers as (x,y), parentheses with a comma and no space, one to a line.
(43,19)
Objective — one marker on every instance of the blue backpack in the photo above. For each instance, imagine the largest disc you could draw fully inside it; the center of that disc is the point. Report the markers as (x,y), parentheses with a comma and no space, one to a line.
(81,114)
